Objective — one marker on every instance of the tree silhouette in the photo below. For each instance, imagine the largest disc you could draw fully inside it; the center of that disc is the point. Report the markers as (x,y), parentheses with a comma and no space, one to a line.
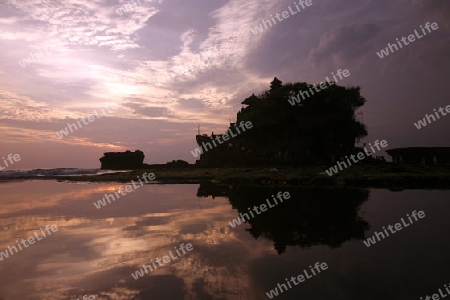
(322,127)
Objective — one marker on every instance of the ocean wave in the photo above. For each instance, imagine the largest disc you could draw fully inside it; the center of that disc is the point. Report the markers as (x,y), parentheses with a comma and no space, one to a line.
(55,172)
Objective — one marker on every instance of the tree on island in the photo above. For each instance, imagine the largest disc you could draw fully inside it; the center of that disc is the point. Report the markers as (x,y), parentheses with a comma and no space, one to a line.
(321,128)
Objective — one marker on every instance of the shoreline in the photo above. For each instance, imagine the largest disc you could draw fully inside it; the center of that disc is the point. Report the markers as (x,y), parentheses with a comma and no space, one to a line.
(360,176)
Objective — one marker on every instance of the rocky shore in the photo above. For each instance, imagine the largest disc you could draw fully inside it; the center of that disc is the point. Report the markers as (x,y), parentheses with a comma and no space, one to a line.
(364,176)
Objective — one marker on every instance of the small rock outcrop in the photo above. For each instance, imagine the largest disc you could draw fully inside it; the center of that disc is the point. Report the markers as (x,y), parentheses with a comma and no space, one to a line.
(122,160)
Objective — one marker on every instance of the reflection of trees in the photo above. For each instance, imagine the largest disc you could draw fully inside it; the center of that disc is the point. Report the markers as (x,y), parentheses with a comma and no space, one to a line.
(312,216)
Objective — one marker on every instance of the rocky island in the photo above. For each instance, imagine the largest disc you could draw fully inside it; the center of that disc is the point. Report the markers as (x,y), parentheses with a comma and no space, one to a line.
(122,160)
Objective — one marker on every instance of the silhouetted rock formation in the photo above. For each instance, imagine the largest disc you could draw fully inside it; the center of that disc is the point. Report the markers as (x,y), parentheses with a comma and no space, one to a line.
(318,131)
(178,164)
(122,160)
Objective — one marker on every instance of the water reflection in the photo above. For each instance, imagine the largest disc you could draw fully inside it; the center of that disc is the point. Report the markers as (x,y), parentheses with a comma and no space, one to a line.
(95,251)
(312,216)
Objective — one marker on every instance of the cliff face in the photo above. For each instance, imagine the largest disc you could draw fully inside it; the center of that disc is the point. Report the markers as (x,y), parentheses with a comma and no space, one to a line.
(122,160)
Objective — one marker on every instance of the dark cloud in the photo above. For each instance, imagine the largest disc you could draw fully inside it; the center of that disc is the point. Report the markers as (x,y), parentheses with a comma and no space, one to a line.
(434,11)
(191,104)
(163,31)
(344,44)
(148,111)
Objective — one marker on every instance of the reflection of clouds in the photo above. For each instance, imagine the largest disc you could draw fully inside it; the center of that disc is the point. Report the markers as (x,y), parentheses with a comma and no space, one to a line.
(96,255)
(16,200)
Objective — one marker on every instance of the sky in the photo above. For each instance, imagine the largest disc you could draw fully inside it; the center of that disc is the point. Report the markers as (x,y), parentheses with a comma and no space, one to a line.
(164,67)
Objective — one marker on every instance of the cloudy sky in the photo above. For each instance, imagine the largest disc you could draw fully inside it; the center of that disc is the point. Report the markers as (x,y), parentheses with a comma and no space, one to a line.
(166,66)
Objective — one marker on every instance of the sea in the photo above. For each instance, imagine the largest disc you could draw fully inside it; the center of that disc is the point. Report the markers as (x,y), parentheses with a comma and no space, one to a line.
(96,251)
(55,172)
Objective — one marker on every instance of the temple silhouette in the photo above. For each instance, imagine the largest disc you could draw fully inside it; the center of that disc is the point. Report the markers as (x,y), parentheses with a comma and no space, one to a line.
(319,131)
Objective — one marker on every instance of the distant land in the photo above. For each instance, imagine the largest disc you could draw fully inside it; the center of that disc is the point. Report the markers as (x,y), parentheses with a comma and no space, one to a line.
(289,143)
